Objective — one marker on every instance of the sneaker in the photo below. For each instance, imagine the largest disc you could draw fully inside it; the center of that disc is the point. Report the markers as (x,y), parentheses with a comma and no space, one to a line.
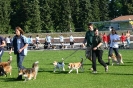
(94,72)
(90,69)
(106,69)
(108,63)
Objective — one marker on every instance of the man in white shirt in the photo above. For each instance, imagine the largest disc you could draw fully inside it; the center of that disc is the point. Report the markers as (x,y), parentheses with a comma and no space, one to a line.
(37,41)
(8,42)
(71,41)
(61,40)
(48,41)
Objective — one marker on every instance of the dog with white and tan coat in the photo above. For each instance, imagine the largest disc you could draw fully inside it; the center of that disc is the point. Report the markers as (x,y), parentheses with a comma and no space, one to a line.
(76,66)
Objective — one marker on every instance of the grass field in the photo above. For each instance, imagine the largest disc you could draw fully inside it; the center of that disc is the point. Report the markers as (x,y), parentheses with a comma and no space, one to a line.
(117,76)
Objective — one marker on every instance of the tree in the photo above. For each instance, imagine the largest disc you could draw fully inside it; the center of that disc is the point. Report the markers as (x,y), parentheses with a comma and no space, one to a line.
(127,7)
(34,19)
(95,11)
(103,7)
(5,11)
(45,10)
(115,8)
(20,13)
(65,15)
(26,14)
(74,5)
(85,13)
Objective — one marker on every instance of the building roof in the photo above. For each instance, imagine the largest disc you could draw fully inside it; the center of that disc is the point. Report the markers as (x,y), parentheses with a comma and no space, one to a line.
(123,18)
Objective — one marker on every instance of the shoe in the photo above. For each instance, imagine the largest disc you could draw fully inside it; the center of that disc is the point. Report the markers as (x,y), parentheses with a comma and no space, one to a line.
(90,69)
(108,63)
(19,77)
(94,72)
(106,69)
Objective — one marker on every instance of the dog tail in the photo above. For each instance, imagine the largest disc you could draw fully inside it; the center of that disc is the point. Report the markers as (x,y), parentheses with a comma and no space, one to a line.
(10,60)
(62,60)
(35,64)
(81,61)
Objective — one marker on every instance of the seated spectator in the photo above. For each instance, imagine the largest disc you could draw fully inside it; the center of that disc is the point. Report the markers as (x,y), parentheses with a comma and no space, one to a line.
(8,42)
(37,41)
(105,39)
(123,38)
(47,43)
(71,41)
(30,42)
(61,38)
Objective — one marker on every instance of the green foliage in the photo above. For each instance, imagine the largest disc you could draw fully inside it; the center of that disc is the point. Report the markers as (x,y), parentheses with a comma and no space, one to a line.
(84,12)
(95,11)
(5,11)
(59,15)
(104,12)
(117,76)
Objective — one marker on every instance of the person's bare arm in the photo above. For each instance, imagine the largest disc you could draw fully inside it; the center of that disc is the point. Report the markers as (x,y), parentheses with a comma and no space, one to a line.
(3,44)
(20,50)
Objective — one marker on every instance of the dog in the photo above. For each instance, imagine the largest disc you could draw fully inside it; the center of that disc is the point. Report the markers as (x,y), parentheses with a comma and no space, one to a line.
(76,66)
(82,46)
(59,65)
(117,59)
(2,72)
(30,73)
(63,47)
(6,66)
(53,46)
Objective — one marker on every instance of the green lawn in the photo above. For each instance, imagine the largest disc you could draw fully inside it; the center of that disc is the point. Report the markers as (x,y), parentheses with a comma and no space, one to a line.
(117,76)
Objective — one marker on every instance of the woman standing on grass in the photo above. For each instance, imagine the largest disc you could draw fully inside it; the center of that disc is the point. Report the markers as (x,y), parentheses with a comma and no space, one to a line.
(97,51)
(20,44)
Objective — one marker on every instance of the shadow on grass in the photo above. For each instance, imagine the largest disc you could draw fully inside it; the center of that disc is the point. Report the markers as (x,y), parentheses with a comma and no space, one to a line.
(60,72)
(120,74)
(10,79)
(122,65)
(128,62)
(51,71)
(66,64)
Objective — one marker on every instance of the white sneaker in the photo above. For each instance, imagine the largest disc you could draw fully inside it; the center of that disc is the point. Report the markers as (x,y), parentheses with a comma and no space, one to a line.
(90,69)
(106,69)
(94,72)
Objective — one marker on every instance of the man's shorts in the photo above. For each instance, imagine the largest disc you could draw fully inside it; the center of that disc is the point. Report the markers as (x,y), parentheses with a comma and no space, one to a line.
(88,53)
(71,43)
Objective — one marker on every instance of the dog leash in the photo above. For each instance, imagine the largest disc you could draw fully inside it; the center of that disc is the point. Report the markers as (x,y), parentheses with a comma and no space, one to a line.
(71,54)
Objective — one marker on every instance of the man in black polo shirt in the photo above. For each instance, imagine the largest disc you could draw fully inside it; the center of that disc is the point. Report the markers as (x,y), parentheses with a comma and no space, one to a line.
(88,38)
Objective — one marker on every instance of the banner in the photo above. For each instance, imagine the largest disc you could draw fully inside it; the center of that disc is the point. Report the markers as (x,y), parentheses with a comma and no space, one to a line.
(131,22)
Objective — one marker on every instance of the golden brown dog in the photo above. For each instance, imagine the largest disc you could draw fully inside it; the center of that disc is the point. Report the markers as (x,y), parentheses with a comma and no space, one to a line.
(30,73)
(75,66)
(7,66)
(117,59)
